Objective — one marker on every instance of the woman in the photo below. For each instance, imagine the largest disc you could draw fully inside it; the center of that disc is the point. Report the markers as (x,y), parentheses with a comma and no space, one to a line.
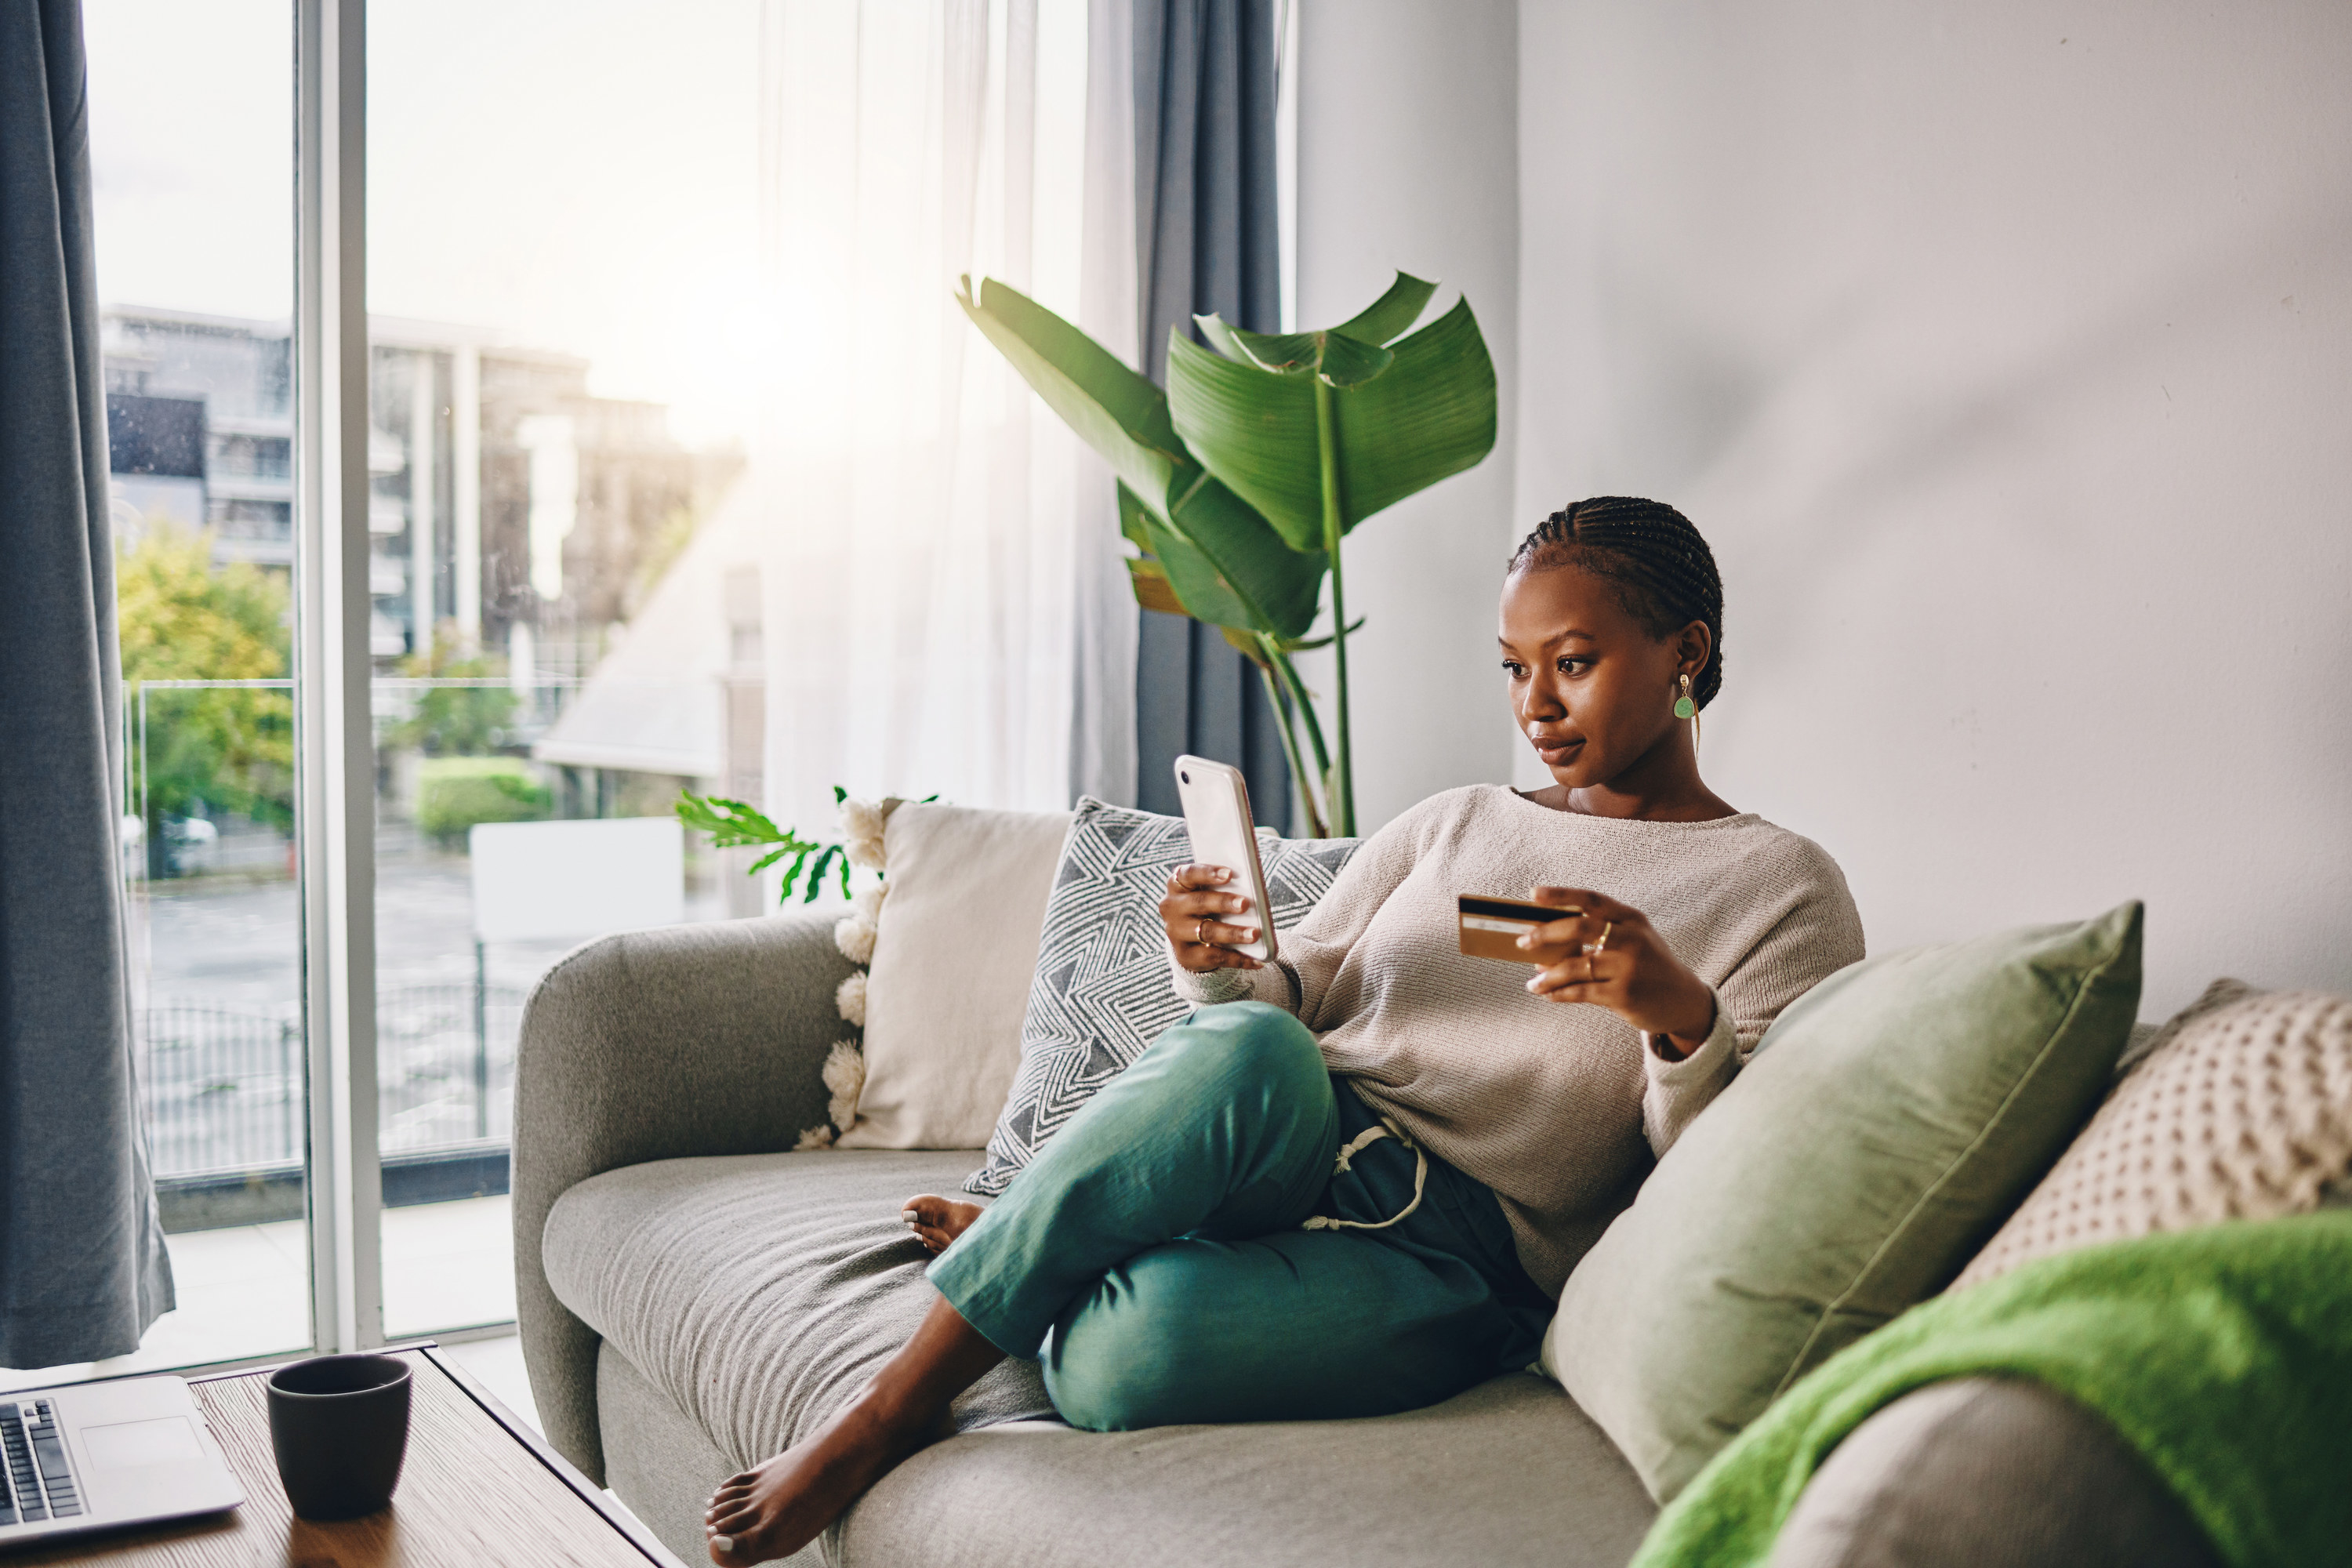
(1357,1186)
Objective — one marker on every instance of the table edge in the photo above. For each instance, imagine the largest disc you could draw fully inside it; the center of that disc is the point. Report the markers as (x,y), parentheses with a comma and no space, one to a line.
(631,1528)
(628,1525)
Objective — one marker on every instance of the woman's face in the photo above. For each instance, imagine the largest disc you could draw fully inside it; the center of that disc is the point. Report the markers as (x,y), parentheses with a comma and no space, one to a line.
(1592,690)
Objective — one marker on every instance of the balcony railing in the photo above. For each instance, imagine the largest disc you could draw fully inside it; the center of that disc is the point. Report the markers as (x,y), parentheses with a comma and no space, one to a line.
(224,1089)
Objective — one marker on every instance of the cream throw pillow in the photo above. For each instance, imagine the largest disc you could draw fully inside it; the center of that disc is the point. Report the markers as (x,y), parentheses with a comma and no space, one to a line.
(2241,1109)
(956,940)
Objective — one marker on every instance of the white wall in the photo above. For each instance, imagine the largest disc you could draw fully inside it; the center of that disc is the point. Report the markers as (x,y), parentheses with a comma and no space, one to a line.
(1408,135)
(2003,350)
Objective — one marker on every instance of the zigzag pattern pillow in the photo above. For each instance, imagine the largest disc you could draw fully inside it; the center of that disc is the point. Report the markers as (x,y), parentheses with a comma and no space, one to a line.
(1102,990)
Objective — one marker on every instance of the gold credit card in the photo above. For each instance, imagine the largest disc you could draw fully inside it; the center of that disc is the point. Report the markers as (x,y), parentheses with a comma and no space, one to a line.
(1491,928)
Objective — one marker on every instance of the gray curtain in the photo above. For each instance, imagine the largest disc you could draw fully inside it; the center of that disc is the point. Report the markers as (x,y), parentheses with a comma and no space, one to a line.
(82,1265)
(1205,213)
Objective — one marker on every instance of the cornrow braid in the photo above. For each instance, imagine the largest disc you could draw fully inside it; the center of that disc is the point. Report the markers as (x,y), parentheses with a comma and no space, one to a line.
(1663,571)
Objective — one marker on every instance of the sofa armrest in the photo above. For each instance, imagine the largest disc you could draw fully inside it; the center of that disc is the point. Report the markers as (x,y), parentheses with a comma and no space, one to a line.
(1986,1472)
(653,1044)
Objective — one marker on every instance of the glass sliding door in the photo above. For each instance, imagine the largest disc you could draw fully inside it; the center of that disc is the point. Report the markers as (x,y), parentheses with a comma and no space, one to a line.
(561,206)
(191,107)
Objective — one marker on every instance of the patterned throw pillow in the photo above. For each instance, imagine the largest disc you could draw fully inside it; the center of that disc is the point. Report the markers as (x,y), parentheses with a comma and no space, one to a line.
(2241,1109)
(1102,990)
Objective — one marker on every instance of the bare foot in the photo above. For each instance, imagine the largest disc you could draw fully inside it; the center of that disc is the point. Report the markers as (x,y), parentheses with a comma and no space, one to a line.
(775,1508)
(936,1221)
(779,1507)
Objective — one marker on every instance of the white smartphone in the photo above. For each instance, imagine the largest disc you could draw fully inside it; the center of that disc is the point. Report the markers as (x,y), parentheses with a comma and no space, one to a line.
(1217,815)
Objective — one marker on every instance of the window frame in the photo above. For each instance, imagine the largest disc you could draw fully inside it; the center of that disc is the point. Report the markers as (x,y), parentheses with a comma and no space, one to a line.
(333,739)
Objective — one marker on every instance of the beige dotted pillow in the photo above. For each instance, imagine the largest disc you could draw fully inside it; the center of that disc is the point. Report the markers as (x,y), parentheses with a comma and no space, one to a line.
(2240,1109)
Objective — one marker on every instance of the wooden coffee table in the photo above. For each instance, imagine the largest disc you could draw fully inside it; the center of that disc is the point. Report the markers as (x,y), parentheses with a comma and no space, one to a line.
(479,1487)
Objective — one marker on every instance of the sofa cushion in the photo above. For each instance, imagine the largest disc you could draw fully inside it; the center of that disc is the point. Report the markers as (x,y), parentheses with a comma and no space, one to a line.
(1509,1473)
(755,1294)
(2242,1110)
(1102,990)
(1891,1118)
(760,1292)
(955,941)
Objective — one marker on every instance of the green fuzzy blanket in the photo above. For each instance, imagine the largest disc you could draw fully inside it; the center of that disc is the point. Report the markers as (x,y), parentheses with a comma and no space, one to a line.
(2222,1354)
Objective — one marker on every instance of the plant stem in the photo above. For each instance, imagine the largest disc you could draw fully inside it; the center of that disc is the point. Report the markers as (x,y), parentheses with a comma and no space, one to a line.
(1288,672)
(1299,777)
(1340,787)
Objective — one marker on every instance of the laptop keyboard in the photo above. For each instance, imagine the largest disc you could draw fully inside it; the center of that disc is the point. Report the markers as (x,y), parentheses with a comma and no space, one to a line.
(39,1484)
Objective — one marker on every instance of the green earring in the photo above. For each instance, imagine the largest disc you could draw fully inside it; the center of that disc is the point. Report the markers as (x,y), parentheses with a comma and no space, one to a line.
(1684,707)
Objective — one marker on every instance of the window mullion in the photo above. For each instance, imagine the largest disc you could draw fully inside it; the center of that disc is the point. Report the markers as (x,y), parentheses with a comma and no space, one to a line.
(335,747)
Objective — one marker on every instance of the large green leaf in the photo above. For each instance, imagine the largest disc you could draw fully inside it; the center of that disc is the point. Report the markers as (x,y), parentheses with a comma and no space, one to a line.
(1191,579)
(1148,578)
(1114,410)
(1386,317)
(1221,337)
(1146,574)
(1237,572)
(1132,513)
(1339,360)
(1430,413)
(1255,429)
(1278,586)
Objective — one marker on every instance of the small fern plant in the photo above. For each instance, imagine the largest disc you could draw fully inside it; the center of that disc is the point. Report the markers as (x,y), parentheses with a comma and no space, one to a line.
(734,825)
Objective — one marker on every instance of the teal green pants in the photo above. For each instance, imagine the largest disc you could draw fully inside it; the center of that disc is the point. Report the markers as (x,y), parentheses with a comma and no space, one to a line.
(1152,1256)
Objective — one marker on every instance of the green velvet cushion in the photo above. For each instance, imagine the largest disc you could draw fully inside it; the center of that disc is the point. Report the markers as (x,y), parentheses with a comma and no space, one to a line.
(1891,1118)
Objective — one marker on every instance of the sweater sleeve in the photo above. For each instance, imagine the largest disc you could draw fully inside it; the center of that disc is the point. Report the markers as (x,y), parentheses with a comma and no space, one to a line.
(1818,934)
(1309,955)
(1678,1090)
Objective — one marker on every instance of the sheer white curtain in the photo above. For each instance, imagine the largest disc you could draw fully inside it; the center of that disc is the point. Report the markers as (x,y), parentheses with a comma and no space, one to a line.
(943,603)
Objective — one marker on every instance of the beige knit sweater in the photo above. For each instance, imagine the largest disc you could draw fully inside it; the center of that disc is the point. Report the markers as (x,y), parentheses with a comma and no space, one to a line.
(1562,1108)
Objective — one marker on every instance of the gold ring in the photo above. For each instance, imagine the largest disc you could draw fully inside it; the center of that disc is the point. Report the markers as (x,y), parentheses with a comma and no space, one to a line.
(1606,927)
(1589,974)
(1200,927)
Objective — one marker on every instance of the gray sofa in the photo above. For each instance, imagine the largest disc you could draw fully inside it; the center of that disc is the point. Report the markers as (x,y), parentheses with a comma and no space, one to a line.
(694,1297)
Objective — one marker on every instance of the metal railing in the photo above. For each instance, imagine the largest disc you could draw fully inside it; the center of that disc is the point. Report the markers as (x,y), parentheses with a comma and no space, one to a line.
(223,1089)
(445,1064)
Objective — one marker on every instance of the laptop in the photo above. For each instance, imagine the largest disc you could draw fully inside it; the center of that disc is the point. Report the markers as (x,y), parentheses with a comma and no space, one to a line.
(99,1455)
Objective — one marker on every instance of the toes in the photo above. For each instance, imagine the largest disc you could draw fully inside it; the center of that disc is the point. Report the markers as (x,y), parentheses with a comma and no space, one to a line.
(736,1521)
(743,1541)
(936,1221)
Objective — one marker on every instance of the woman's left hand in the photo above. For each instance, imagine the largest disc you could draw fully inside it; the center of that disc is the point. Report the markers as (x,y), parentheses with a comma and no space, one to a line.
(1610,956)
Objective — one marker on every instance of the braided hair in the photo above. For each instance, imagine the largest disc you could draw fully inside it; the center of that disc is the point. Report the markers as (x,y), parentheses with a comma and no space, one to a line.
(1662,571)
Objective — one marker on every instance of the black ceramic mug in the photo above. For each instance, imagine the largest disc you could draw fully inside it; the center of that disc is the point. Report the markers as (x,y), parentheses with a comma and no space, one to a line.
(340,1425)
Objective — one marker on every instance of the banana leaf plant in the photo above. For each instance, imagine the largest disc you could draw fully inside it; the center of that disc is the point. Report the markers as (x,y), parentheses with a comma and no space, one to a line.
(1237,485)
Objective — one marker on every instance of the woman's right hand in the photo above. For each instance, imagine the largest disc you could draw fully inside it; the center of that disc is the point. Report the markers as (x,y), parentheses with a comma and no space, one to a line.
(1197,912)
